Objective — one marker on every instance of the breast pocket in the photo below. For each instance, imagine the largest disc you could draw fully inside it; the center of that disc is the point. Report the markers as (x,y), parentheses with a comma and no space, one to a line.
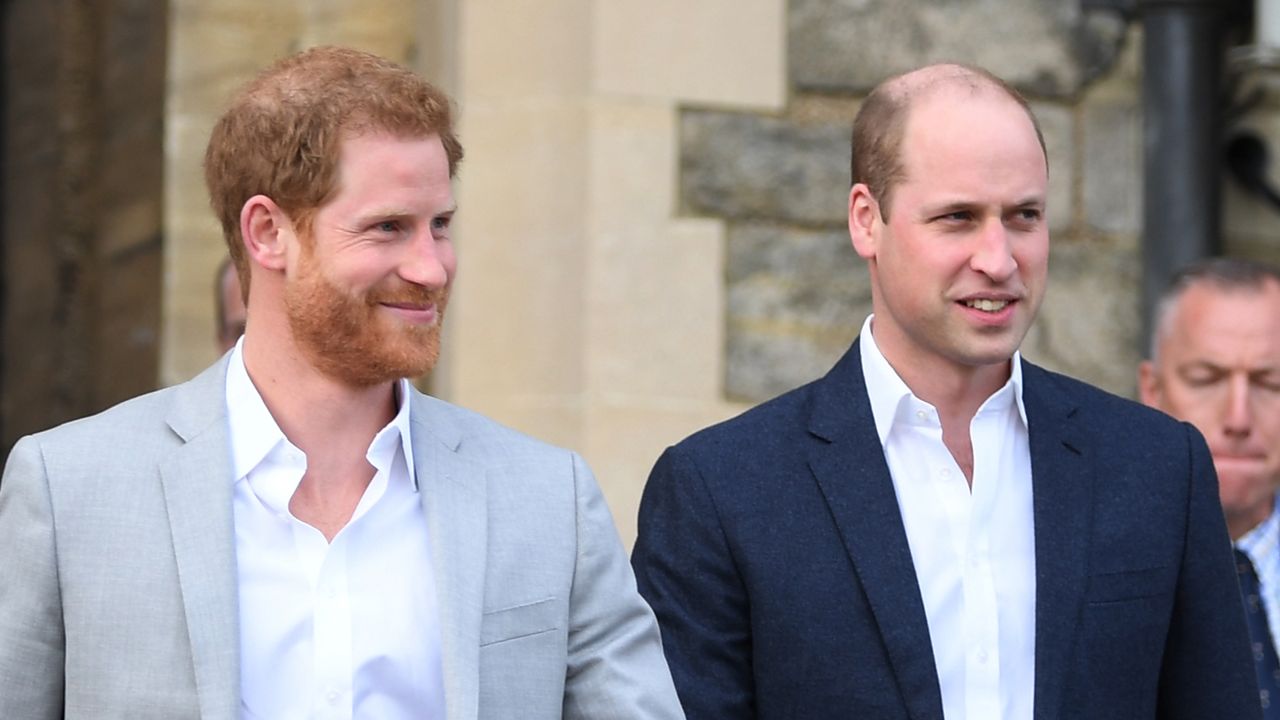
(519,621)
(1125,585)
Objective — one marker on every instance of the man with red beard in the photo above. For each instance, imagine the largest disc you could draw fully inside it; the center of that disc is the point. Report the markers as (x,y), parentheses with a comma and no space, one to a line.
(298,532)
(1215,363)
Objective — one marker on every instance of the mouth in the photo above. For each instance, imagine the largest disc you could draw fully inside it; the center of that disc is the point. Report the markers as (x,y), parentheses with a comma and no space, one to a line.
(413,313)
(987,305)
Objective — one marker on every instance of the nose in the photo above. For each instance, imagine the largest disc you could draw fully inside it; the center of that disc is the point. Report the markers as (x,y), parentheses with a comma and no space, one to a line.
(993,253)
(427,262)
(1239,417)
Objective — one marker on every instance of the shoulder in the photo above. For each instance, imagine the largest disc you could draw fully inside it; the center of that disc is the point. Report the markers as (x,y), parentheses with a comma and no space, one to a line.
(781,417)
(480,439)
(1129,433)
(139,430)
(120,428)
(1097,404)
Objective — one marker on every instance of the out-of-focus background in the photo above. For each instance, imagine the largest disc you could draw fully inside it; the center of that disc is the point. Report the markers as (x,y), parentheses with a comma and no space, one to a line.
(652,207)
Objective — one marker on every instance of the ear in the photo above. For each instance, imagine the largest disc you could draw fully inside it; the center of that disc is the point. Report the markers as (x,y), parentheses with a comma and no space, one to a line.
(1149,384)
(267,231)
(864,221)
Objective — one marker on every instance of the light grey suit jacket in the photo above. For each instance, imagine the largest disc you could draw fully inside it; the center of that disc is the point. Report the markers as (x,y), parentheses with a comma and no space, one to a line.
(118,593)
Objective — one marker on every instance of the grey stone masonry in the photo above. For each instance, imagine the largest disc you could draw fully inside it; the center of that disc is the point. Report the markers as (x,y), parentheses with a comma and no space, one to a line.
(743,166)
(796,299)
(1088,323)
(1048,48)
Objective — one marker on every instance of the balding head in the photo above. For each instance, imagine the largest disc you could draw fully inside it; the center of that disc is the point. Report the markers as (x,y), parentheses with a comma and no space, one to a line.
(881,122)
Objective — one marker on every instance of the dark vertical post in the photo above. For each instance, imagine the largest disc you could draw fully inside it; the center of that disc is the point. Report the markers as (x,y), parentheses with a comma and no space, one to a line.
(1181,95)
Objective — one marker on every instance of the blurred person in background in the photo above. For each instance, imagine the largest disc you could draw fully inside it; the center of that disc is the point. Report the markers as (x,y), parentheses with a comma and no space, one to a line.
(1215,363)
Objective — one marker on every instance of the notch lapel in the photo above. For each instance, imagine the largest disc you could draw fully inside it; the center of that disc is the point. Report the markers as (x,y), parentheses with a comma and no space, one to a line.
(453,491)
(197,483)
(1062,488)
(851,471)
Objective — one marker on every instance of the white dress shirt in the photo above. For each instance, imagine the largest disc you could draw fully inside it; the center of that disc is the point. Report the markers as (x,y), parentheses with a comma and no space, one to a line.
(973,550)
(1262,545)
(331,630)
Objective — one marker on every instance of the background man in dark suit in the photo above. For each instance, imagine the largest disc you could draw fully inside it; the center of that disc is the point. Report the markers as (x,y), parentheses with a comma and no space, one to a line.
(938,528)
(1215,362)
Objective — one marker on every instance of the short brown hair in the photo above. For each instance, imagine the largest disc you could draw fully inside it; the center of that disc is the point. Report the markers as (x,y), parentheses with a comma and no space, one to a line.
(281,135)
(1224,274)
(876,157)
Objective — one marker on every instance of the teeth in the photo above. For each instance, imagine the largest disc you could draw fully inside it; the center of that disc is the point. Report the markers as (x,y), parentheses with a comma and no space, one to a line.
(987,305)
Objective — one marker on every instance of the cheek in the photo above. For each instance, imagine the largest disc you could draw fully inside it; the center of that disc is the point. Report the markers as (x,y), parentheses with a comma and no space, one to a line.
(1033,257)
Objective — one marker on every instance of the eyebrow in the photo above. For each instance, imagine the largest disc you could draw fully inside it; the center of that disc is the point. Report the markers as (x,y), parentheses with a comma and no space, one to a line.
(1036,201)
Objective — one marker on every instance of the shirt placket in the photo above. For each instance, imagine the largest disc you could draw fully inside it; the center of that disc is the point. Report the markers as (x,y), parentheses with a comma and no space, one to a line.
(982,623)
(332,635)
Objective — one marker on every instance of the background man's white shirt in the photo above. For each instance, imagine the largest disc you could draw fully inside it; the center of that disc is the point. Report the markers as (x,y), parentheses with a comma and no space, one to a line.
(1262,545)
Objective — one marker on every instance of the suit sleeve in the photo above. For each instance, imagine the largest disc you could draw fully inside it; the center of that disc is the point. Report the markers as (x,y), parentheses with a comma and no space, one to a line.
(1208,665)
(32,643)
(615,664)
(686,571)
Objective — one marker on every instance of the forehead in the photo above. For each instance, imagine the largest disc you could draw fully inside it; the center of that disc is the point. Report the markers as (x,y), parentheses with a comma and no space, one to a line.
(1223,322)
(394,168)
(966,126)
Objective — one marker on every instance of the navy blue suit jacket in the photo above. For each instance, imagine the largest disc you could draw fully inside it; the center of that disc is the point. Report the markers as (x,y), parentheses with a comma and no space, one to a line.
(772,549)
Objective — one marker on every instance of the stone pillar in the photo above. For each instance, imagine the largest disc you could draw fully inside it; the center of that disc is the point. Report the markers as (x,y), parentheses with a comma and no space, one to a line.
(587,313)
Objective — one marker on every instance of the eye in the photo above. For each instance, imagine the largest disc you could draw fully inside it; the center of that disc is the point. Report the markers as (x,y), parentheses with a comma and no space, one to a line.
(1202,375)
(1269,381)
(387,226)
(1026,217)
(955,216)
(440,224)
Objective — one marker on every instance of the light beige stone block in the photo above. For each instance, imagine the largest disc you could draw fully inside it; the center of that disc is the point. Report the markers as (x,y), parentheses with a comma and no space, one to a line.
(517,307)
(519,49)
(216,46)
(655,315)
(711,51)
(384,27)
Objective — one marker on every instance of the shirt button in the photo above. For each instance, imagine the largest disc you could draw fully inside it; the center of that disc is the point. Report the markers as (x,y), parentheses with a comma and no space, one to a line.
(982,656)
(332,697)
(922,415)
(946,473)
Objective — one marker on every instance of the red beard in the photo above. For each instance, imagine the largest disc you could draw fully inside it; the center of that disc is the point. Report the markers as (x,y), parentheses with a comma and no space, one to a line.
(351,339)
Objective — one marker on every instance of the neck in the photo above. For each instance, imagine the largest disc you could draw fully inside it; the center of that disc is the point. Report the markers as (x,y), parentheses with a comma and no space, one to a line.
(330,421)
(1240,524)
(956,391)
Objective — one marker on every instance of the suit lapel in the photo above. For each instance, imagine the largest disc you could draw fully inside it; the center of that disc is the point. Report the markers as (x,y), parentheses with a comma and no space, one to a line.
(198,487)
(1062,482)
(848,463)
(453,492)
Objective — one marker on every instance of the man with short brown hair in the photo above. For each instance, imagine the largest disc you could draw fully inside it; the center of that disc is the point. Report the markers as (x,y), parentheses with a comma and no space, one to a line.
(298,532)
(937,527)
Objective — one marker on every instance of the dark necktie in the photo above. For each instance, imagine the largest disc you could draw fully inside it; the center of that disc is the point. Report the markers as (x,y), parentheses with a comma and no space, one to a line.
(1264,652)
